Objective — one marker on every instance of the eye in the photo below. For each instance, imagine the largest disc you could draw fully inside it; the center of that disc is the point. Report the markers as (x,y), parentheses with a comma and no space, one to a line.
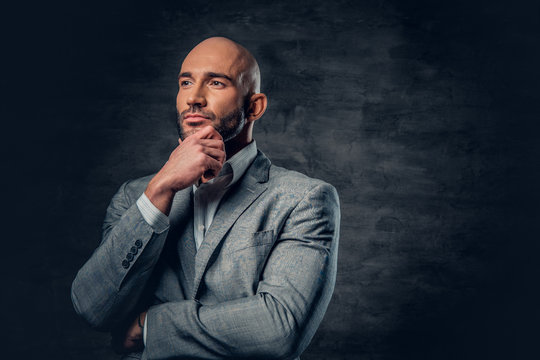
(216,83)
(184,83)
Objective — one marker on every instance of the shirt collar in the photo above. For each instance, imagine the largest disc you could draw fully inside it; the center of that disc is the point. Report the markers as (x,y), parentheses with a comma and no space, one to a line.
(241,161)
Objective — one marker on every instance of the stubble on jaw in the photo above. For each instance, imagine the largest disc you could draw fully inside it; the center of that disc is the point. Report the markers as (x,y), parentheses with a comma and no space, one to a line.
(228,126)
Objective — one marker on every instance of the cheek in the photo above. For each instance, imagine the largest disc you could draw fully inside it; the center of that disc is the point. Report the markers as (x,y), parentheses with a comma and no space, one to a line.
(178,100)
(225,103)
(181,101)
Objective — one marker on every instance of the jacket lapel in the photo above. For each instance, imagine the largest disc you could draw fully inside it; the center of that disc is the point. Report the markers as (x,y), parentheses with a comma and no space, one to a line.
(181,234)
(234,204)
(181,208)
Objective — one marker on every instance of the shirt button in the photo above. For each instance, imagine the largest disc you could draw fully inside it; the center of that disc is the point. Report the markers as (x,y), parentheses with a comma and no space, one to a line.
(138,244)
(125,264)
(134,250)
(201,227)
(129,256)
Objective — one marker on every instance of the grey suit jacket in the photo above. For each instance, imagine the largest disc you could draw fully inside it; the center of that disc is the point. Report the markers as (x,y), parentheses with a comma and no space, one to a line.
(257,287)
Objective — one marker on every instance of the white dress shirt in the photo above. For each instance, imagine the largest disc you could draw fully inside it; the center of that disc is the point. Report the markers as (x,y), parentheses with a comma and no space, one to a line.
(206,198)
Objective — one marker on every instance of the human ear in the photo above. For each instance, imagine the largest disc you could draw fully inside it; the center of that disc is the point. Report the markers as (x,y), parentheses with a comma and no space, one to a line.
(257,107)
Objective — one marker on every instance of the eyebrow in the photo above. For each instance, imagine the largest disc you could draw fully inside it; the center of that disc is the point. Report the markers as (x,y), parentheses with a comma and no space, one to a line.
(208,74)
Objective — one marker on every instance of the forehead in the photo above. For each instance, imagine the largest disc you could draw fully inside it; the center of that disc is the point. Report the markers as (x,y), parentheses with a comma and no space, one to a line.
(213,59)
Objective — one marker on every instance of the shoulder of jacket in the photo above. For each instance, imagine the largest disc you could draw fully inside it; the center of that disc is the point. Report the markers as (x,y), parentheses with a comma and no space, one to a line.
(291,181)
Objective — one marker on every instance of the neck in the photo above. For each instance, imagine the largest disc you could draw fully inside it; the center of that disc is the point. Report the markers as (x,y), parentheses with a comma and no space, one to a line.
(232,147)
(240,141)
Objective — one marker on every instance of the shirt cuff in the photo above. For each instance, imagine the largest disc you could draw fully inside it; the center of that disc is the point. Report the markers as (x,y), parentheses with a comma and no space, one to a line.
(144,329)
(151,214)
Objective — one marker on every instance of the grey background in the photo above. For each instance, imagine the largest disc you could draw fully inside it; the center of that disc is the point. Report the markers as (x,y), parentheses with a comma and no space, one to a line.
(423,114)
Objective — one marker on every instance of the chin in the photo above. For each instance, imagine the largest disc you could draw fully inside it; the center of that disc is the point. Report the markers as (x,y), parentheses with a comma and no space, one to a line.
(189,132)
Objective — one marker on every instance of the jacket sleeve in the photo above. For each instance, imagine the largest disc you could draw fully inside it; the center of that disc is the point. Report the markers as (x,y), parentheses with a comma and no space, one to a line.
(281,318)
(109,285)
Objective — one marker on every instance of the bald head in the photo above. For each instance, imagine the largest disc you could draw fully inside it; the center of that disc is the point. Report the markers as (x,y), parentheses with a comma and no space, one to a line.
(233,57)
(219,85)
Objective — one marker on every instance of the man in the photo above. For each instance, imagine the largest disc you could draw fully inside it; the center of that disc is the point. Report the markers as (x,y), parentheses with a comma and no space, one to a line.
(220,254)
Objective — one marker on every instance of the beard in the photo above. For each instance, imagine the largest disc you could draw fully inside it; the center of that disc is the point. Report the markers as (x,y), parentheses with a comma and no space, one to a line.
(228,126)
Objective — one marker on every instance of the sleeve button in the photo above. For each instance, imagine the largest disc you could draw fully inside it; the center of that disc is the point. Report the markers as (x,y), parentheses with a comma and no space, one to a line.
(138,244)
(129,256)
(125,264)
(134,250)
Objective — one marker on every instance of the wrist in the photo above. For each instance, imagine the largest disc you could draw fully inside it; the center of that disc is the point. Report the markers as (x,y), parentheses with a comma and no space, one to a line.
(159,195)
(157,188)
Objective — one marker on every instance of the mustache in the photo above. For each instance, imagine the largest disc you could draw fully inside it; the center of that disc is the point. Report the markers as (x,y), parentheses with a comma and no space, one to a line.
(196,110)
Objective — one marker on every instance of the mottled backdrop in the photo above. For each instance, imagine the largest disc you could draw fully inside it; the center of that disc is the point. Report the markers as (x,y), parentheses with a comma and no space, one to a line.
(423,114)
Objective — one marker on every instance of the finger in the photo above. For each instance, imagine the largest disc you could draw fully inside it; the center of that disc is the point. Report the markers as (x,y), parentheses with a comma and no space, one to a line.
(213,167)
(208,132)
(203,132)
(213,143)
(213,164)
(217,154)
(214,134)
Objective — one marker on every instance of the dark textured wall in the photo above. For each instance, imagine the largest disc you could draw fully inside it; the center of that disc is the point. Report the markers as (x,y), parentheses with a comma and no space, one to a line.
(424,116)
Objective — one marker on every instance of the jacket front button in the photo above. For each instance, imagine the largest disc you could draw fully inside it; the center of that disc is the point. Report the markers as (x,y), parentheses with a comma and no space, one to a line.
(125,264)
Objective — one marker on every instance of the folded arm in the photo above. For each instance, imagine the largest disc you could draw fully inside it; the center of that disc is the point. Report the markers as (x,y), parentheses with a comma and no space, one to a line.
(282,317)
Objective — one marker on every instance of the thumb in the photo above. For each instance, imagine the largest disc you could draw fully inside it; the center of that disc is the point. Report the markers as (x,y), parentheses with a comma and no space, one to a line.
(179,141)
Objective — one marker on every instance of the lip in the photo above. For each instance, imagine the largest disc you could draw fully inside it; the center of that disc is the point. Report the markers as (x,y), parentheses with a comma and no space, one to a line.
(195,116)
(195,119)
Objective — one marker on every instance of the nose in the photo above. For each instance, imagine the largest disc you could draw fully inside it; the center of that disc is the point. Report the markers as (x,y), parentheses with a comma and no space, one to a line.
(196,97)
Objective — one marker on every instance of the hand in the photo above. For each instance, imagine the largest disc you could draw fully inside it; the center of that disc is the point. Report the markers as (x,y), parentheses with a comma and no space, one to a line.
(199,156)
(130,340)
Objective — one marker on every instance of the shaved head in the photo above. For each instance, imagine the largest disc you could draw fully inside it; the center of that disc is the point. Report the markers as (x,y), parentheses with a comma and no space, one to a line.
(219,85)
(238,59)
